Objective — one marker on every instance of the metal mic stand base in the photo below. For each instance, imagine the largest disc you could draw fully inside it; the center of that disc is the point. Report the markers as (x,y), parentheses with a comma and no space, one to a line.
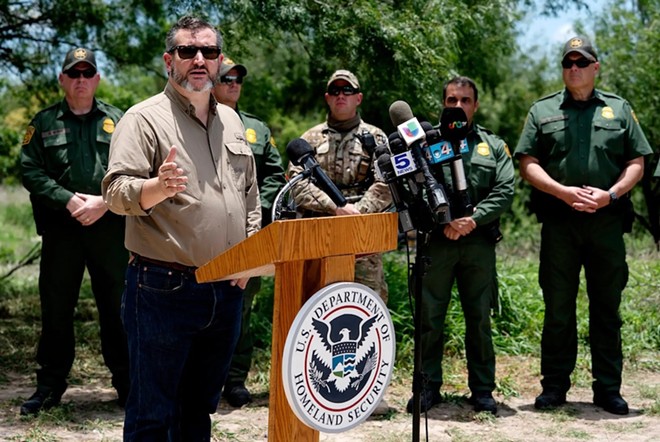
(419,270)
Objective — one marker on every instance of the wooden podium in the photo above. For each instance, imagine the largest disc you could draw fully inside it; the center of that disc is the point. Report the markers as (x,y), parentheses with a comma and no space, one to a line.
(305,255)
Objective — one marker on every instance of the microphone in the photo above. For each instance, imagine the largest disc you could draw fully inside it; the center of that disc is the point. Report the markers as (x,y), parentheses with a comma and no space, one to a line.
(403,164)
(301,154)
(385,170)
(454,128)
(413,134)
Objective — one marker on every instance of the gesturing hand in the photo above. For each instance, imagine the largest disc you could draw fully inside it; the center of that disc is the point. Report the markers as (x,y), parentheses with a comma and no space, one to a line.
(170,177)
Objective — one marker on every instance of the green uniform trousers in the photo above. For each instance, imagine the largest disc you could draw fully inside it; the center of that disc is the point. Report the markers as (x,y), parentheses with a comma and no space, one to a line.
(568,243)
(470,261)
(241,360)
(67,249)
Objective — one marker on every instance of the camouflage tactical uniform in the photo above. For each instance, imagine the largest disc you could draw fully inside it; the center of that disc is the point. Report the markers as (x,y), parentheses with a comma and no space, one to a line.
(346,162)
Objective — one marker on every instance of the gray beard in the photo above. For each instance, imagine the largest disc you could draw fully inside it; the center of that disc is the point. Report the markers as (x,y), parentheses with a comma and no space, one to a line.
(182,81)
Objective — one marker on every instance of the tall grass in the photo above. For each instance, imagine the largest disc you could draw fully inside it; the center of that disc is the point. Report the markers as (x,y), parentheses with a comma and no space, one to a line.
(517,322)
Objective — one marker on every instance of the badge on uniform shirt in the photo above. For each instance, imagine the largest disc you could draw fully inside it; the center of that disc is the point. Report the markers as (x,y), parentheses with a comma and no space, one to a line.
(607,113)
(483,149)
(108,125)
(28,135)
(251,135)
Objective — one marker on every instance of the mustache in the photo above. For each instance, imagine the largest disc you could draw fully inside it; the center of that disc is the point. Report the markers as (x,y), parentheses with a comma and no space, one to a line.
(197,69)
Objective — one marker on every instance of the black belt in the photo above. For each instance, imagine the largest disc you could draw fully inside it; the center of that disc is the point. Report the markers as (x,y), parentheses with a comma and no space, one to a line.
(169,265)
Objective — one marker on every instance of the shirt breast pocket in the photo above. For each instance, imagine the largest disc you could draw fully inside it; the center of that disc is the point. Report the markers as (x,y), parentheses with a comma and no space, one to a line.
(483,172)
(553,136)
(240,157)
(609,136)
(59,153)
(103,147)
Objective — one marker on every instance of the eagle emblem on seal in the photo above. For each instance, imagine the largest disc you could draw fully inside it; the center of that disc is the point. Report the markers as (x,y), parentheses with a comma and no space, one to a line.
(347,357)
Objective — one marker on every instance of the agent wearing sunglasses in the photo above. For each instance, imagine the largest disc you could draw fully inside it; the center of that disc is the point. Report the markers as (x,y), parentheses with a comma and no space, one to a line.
(63,160)
(182,172)
(582,149)
(270,176)
(340,150)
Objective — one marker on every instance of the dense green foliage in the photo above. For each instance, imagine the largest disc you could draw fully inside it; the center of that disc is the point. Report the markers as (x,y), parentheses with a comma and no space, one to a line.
(400,49)
(517,322)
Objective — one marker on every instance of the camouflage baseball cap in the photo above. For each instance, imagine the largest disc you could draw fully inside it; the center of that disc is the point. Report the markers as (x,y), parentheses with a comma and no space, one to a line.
(343,74)
(228,64)
(78,55)
(581,45)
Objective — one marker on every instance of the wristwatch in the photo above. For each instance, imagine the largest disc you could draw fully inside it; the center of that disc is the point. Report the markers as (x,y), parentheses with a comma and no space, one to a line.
(613,197)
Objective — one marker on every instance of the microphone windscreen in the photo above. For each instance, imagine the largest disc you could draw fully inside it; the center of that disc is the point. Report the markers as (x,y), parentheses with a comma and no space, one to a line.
(380,150)
(396,143)
(453,124)
(384,163)
(426,126)
(400,112)
(297,149)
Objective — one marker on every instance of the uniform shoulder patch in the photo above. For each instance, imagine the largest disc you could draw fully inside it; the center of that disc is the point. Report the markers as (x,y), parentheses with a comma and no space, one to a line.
(28,135)
(272,141)
(506,150)
(634,115)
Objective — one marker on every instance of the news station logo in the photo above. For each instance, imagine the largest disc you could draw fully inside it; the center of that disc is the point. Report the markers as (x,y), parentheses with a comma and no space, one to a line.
(338,357)
(411,129)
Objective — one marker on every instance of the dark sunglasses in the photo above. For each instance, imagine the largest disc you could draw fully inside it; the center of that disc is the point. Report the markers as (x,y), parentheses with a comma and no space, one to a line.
(188,52)
(229,79)
(582,63)
(75,73)
(347,90)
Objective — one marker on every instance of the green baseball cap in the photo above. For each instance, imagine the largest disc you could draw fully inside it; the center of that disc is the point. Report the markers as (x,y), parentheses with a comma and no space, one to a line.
(78,55)
(581,45)
(228,64)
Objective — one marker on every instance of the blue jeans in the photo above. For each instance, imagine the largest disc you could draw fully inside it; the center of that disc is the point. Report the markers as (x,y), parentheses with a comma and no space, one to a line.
(181,336)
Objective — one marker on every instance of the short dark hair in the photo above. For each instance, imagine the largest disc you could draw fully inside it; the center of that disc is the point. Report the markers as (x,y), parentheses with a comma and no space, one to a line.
(460,81)
(192,24)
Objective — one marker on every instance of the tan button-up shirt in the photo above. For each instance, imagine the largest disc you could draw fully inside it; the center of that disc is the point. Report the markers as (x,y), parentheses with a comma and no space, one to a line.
(220,206)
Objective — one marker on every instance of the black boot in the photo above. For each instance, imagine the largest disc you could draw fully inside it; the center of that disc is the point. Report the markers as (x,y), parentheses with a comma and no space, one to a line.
(237,395)
(42,399)
(483,401)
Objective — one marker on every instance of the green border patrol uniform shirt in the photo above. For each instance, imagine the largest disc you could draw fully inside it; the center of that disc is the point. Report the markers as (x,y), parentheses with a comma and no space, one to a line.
(62,154)
(270,171)
(580,143)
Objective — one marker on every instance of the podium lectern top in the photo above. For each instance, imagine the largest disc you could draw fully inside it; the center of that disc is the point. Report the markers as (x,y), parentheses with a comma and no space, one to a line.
(303,239)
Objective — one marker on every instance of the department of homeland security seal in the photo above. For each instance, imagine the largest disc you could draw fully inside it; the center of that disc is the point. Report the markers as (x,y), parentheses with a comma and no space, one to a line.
(338,357)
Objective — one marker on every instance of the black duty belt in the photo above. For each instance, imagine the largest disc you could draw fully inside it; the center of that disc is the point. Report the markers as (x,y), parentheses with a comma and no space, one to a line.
(169,265)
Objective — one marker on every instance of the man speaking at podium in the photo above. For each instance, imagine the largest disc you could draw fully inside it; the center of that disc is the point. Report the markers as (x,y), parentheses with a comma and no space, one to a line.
(181,170)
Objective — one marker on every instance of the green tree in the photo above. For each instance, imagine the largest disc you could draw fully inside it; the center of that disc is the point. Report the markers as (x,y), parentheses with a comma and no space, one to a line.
(629,51)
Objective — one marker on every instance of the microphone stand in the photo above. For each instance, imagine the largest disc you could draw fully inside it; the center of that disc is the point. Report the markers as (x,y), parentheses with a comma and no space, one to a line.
(277,204)
(419,270)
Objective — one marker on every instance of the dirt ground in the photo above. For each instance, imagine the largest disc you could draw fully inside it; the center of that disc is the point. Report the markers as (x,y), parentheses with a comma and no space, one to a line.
(90,413)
